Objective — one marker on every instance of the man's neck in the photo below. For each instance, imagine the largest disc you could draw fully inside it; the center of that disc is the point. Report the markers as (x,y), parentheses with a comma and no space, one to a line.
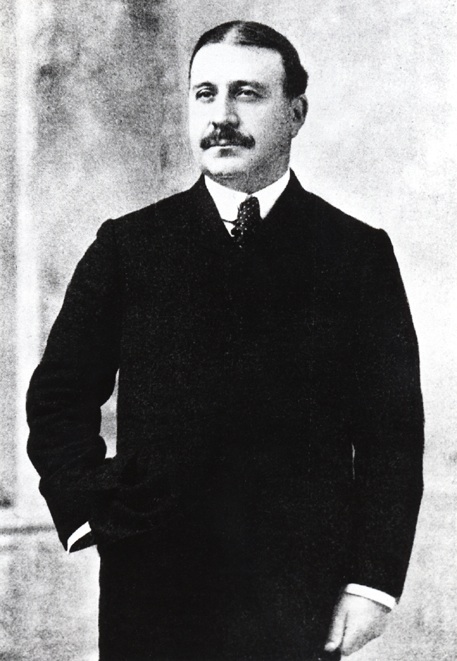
(247,184)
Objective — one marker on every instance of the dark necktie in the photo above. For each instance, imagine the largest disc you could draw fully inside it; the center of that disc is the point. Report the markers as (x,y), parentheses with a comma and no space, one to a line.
(247,221)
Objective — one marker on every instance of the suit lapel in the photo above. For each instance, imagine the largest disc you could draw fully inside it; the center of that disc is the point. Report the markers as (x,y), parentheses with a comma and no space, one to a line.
(204,221)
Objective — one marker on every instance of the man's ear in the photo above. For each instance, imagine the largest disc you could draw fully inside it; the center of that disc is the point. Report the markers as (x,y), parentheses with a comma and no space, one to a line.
(299,106)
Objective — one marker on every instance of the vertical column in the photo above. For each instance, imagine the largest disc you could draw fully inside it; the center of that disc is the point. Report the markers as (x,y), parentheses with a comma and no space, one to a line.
(7,255)
(28,504)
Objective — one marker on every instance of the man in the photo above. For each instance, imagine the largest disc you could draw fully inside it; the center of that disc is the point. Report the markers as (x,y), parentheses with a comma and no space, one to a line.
(263,499)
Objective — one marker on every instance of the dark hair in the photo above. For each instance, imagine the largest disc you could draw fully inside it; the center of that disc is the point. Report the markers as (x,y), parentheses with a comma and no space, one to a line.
(249,33)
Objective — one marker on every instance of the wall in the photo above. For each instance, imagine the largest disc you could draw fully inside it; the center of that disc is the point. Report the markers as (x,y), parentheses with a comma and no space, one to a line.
(92,125)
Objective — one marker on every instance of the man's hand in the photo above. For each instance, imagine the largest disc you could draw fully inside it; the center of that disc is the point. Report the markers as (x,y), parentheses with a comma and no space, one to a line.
(356,620)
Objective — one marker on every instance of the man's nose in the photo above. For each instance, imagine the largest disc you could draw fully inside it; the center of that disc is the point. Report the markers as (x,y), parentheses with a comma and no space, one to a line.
(224,112)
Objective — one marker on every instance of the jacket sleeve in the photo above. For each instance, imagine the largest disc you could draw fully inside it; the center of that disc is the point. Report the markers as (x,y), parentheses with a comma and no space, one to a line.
(74,378)
(388,426)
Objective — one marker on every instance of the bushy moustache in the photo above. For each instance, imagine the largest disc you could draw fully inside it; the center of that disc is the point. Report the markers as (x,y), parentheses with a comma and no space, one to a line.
(229,135)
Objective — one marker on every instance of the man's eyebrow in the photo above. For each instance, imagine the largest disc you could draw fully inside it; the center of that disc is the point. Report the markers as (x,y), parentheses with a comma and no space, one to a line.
(236,84)
(249,83)
(262,88)
(204,84)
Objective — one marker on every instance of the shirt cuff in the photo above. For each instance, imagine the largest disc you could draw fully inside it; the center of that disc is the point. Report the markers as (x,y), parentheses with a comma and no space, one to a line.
(371,593)
(83,535)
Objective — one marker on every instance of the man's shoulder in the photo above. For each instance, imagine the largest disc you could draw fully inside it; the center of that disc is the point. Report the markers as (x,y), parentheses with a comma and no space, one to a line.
(330,218)
(333,229)
(162,215)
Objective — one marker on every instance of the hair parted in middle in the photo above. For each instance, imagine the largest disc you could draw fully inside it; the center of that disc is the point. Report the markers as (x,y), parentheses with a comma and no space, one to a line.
(250,33)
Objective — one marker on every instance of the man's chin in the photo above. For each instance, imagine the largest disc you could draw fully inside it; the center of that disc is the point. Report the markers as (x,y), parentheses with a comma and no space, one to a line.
(236,180)
(224,168)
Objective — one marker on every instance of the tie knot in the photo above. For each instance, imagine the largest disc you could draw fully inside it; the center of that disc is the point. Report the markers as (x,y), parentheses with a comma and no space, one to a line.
(247,221)
(249,207)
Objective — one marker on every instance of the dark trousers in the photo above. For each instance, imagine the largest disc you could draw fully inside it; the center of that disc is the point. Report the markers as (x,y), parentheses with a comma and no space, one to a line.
(170,597)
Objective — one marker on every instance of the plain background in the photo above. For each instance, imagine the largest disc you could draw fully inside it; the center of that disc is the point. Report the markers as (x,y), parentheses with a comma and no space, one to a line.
(93,125)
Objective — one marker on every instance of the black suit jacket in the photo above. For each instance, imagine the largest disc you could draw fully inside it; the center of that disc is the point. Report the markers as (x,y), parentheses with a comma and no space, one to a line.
(269,400)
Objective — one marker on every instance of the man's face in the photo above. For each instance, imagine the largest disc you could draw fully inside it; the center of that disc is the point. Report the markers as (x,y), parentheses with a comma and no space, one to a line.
(241,123)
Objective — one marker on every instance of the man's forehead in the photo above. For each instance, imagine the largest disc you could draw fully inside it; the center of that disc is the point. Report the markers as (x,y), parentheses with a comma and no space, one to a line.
(229,62)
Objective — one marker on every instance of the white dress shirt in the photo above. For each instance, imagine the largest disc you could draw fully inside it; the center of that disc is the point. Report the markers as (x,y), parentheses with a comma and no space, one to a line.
(227,202)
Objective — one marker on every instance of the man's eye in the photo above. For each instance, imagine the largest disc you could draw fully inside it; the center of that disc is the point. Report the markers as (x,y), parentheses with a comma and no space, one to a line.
(248,94)
(204,95)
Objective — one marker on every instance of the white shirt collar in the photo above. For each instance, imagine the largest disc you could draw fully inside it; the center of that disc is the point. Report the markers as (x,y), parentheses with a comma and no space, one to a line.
(227,200)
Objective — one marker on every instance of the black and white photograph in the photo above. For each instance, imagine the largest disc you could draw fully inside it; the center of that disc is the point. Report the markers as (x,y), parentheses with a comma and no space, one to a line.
(228,287)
